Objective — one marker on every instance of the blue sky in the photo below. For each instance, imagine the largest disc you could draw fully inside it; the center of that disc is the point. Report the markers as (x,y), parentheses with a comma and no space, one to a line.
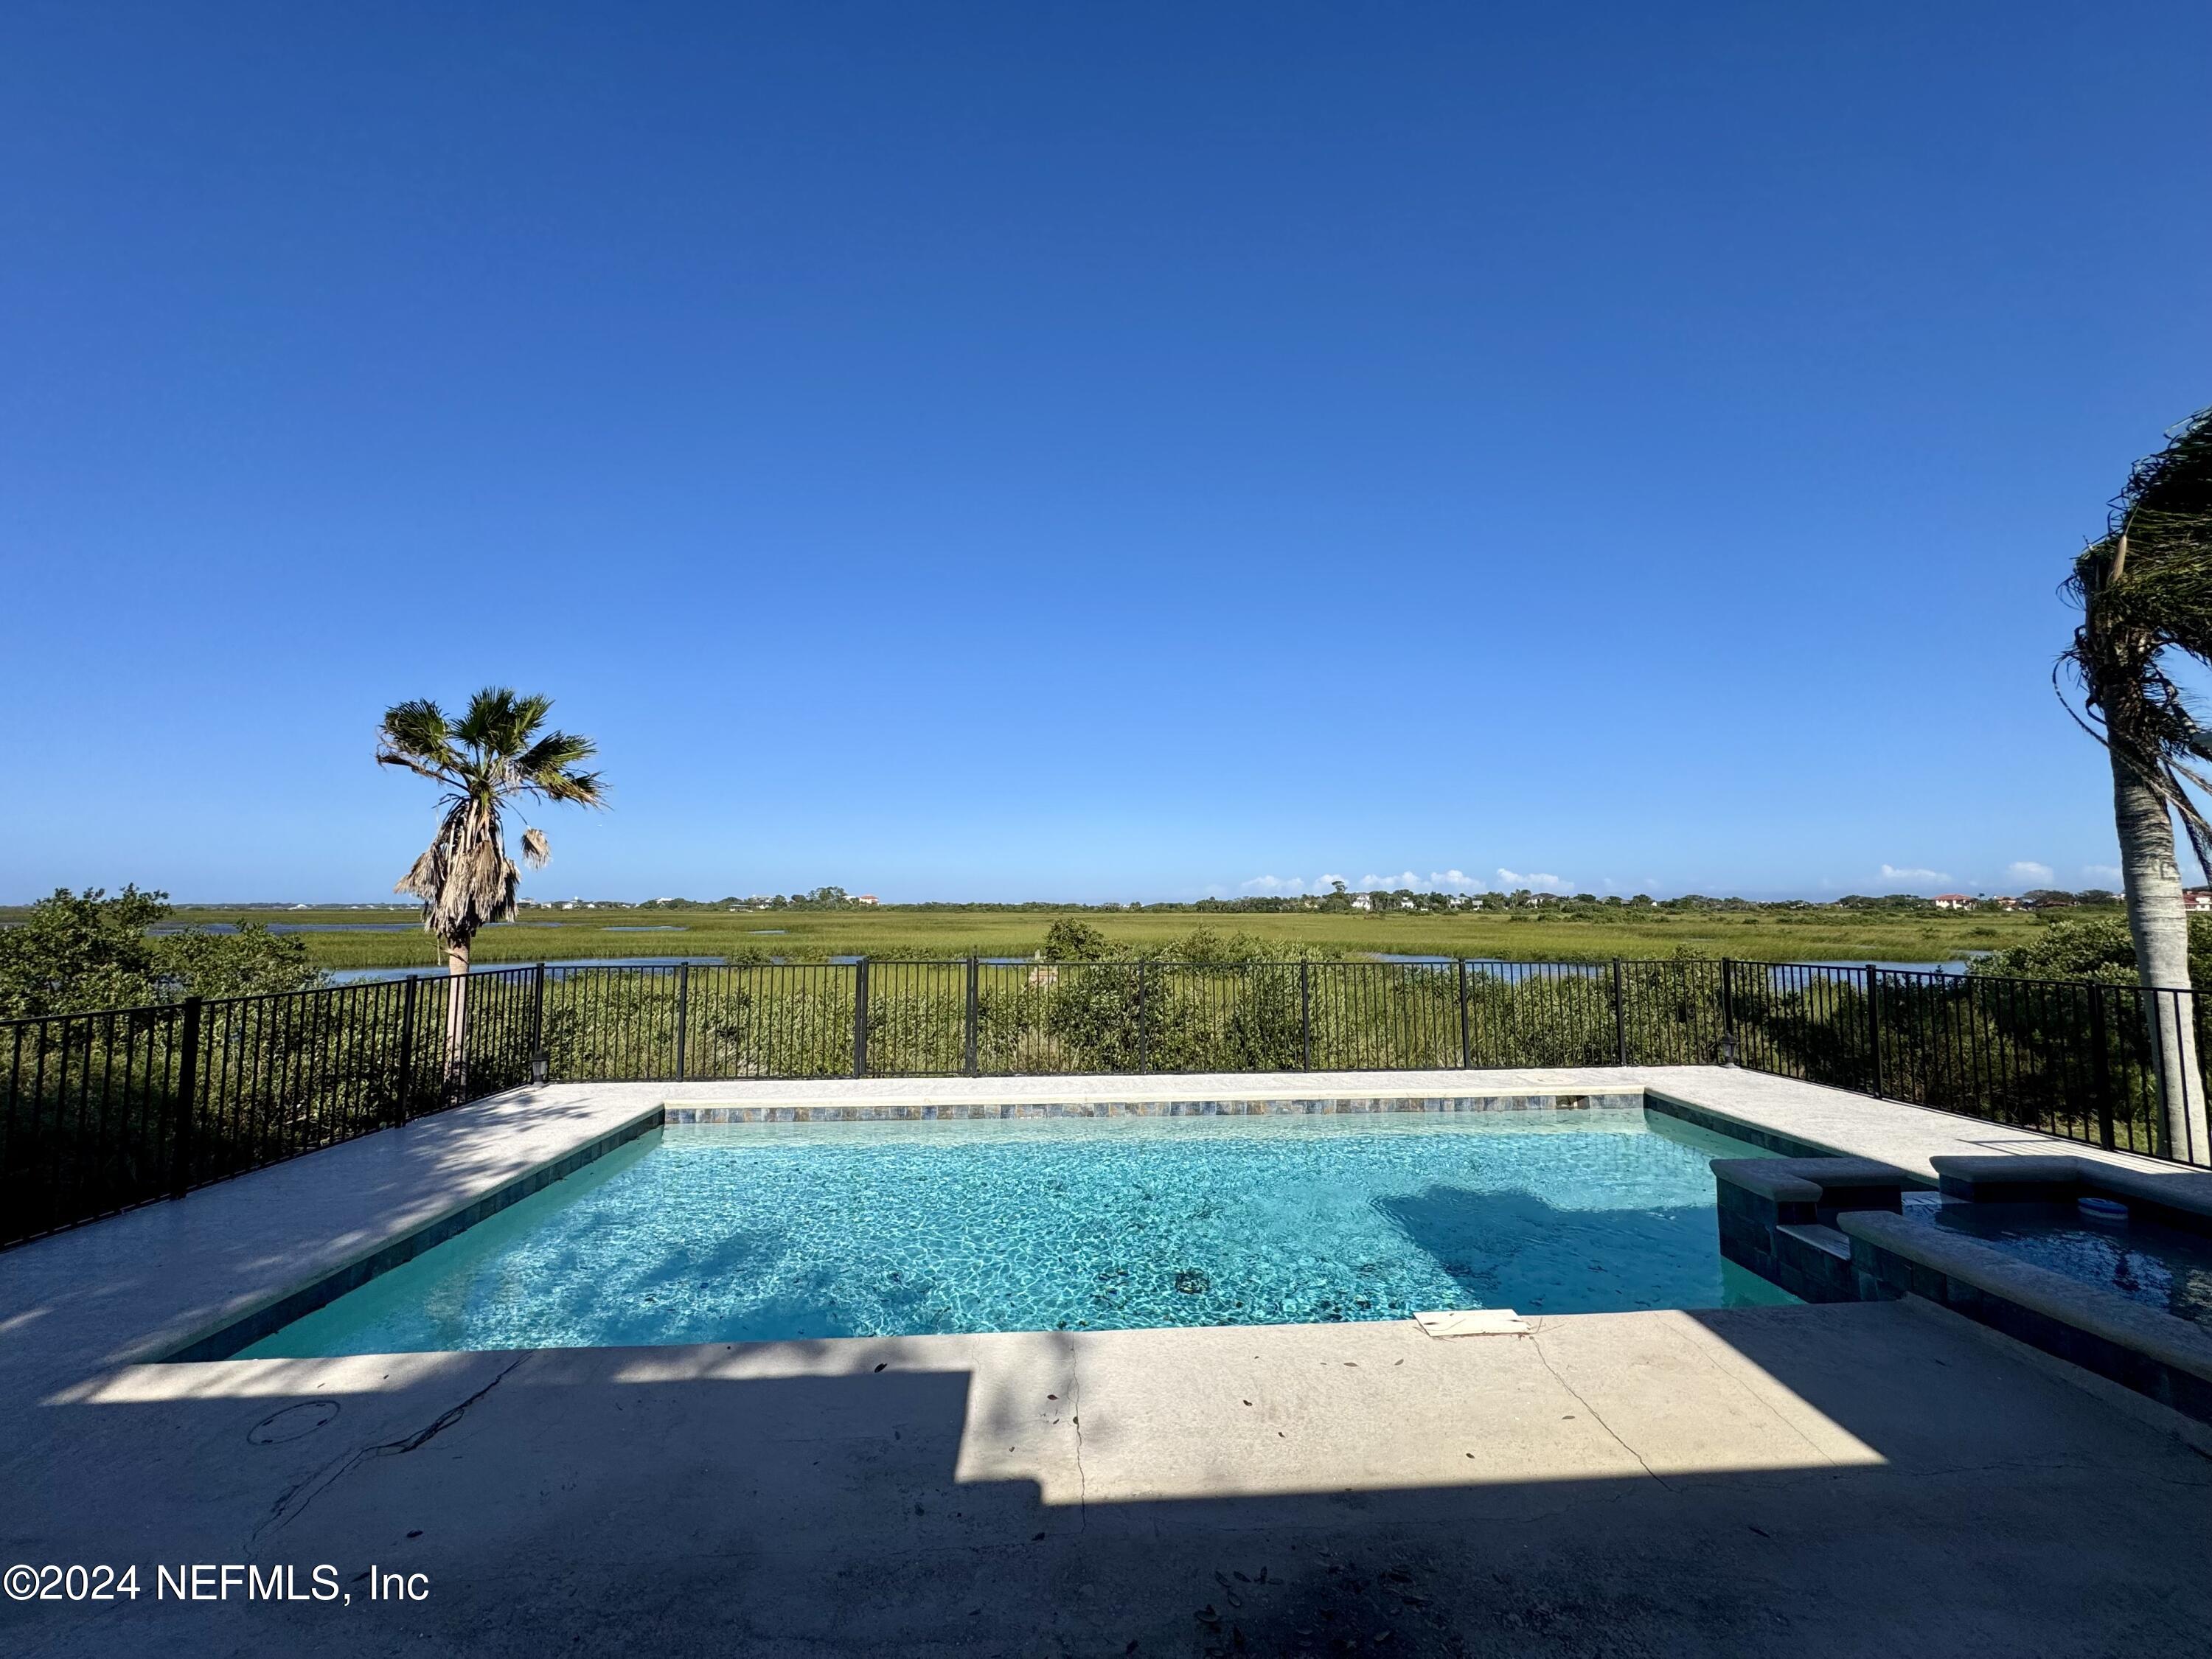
(1100,452)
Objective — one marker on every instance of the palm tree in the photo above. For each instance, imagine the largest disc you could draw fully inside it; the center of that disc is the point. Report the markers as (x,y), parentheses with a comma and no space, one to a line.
(496,753)
(2145,589)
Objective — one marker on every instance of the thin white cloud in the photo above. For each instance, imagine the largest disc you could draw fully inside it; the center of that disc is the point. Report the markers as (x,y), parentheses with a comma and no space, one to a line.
(2028,873)
(1292,886)
(1438,881)
(1530,878)
(2101,872)
(1892,872)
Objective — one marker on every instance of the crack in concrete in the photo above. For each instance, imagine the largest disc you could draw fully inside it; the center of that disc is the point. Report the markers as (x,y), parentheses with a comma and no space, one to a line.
(1075,1412)
(284,1510)
(1536,1342)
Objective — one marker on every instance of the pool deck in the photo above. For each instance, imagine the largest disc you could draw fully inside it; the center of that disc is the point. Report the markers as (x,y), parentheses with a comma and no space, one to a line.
(1833,1480)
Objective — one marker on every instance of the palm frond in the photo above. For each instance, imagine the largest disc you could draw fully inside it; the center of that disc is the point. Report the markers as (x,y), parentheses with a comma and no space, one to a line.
(417,736)
(2144,588)
(2171,490)
(575,788)
(488,725)
(554,752)
(530,713)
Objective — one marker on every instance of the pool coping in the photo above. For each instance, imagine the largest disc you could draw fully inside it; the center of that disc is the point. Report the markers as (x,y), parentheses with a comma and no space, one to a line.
(1371,1104)
(1719,1123)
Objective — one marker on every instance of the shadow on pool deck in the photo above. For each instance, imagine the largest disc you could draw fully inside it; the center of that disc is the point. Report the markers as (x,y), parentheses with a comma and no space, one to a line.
(1789,1480)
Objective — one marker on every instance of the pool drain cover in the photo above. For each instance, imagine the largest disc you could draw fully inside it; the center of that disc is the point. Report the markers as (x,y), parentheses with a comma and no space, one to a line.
(1473,1321)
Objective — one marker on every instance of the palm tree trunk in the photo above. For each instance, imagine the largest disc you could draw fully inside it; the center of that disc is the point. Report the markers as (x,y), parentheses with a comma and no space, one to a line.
(2159,922)
(457,1021)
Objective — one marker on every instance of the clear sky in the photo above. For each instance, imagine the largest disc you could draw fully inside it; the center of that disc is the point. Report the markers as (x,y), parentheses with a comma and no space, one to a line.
(1088,451)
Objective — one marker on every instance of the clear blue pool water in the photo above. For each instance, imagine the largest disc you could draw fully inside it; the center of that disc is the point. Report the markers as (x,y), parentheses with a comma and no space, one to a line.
(758,1232)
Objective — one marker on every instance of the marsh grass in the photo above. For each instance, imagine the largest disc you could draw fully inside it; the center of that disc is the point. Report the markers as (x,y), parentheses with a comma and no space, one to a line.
(929,932)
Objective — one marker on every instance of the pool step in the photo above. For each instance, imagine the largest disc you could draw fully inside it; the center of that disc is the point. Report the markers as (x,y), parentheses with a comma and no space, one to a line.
(1820,1238)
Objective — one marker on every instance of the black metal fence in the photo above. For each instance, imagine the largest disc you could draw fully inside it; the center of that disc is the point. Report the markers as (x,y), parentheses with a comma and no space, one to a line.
(101,1111)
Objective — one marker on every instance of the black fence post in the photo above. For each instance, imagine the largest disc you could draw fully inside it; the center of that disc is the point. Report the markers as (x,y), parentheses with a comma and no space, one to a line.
(1305,1015)
(968,1059)
(1873,1023)
(1728,1011)
(683,1013)
(1466,1047)
(2192,1081)
(1619,1016)
(861,1017)
(2101,1072)
(406,1091)
(539,1066)
(1144,1025)
(188,1088)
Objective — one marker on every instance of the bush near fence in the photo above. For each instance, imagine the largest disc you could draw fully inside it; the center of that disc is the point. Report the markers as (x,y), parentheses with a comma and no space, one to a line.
(101,1111)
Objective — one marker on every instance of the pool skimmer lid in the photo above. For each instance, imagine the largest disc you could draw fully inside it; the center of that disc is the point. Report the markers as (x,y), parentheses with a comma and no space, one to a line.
(1473,1321)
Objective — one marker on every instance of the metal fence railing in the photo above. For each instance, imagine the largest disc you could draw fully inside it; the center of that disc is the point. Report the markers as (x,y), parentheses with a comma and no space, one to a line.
(101,1111)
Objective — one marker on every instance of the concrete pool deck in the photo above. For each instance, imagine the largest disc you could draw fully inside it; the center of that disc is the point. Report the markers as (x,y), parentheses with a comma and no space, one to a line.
(1836,1480)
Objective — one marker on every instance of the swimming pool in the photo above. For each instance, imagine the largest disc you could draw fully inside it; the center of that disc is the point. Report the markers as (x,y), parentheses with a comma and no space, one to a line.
(766,1231)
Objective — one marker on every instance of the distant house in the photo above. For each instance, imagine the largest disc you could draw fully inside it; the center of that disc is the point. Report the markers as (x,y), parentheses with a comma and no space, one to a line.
(1954,901)
(2198,898)
(865,899)
(1362,902)
(1408,904)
